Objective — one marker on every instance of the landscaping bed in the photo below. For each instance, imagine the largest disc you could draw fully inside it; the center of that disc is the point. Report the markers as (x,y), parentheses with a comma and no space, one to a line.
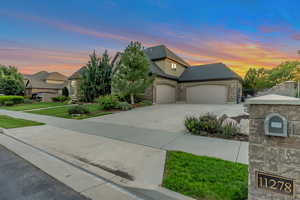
(94,111)
(203,177)
(220,127)
(21,107)
(10,122)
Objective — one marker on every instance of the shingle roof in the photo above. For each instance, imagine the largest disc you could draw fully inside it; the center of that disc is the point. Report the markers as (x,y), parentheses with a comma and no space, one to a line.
(161,52)
(56,76)
(35,83)
(215,71)
(38,80)
(76,75)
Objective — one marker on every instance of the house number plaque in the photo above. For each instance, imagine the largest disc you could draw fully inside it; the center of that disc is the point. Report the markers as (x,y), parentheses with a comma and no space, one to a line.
(274,183)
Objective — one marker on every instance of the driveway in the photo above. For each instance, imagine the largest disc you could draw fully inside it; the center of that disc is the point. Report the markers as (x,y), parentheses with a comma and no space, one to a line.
(21,180)
(168,117)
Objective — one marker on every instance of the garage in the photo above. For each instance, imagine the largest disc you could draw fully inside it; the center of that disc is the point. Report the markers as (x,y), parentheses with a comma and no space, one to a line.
(207,94)
(165,94)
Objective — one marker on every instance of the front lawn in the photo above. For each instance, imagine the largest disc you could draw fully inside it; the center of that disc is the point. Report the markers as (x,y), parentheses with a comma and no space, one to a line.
(94,109)
(10,122)
(203,177)
(21,107)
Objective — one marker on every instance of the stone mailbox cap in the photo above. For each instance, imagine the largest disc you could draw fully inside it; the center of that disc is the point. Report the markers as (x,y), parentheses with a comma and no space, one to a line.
(274,99)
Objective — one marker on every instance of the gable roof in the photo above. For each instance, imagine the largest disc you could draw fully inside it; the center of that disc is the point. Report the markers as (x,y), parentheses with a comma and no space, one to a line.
(38,80)
(162,52)
(77,74)
(209,72)
(56,76)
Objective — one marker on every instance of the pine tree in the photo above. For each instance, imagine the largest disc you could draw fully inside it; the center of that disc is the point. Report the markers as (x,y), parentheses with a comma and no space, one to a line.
(132,75)
(96,77)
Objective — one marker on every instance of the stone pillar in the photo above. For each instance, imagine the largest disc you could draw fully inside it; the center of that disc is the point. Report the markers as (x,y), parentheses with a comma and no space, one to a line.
(274,161)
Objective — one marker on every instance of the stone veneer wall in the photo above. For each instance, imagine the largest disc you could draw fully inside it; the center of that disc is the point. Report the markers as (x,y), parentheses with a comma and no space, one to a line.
(277,155)
(231,85)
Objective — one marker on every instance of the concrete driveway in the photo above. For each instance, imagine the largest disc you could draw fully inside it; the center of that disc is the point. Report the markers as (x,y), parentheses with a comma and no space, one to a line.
(168,117)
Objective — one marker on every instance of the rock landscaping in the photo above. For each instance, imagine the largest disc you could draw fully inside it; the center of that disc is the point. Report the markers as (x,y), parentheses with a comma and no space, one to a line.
(236,128)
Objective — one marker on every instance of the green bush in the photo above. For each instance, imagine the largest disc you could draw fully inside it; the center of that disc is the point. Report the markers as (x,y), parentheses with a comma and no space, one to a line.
(60,99)
(9,103)
(14,99)
(28,101)
(124,106)
(209,124)
(229,130)
(137,98)
(192,124)
(108,102)
(78,110)
(146,103)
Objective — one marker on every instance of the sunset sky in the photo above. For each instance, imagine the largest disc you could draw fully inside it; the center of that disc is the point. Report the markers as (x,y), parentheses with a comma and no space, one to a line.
(58,35)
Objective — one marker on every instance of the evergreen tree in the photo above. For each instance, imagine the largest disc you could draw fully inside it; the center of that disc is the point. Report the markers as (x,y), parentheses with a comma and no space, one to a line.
(96,77)
(132,75)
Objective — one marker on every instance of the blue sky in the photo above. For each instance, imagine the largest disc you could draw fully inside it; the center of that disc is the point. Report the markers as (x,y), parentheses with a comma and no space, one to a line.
(58,35)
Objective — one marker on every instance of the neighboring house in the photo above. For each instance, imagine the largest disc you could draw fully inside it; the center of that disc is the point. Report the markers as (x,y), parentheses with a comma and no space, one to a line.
(45,84)
(287,88)
(177,81)
(74,84)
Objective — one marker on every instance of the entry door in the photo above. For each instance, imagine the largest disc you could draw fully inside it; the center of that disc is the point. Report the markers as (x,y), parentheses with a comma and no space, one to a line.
(165,94)
(207,94)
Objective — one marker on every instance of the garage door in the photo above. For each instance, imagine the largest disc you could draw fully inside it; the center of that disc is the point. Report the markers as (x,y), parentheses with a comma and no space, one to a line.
(165,94)
(207,94)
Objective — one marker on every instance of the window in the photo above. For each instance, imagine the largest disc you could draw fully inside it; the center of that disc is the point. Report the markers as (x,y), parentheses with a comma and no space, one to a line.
(73,83)
(173,66)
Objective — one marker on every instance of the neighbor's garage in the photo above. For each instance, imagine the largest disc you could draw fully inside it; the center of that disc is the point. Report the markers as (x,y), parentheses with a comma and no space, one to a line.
(207,94)
(165,94)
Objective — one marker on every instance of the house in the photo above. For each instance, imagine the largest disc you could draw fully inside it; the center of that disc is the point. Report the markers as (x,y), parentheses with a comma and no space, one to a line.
(45,84)
(177,81)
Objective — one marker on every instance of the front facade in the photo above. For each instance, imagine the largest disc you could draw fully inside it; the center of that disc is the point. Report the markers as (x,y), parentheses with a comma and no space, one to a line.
(177,81)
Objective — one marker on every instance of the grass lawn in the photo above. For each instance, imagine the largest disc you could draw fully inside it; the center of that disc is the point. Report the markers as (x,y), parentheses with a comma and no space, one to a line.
(10,122)
(205,178)
(63,112)
(21,107)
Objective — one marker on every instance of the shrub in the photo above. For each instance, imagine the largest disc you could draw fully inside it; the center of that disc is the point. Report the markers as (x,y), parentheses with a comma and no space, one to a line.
(108,102)
(192,124)
(9,103)
(137,98)
(229,130)
(78,110)
(28,101)
(146,103)
(124,106)
(60,99)
(14,99)
(209,124)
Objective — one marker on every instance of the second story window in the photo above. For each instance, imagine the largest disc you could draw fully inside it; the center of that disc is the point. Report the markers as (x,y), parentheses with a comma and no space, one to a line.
(173,66)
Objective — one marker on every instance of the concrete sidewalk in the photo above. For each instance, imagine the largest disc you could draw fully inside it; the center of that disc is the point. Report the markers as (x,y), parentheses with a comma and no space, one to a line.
(235,151)
(96,185)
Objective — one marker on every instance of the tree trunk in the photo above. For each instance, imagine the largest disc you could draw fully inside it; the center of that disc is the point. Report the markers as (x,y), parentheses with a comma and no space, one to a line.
(132,98)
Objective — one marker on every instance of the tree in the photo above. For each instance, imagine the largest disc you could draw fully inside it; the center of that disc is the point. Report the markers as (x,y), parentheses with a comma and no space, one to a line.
(285,72)
(11,81)
(255,80)
(132,75)
(96,77)
(65,92)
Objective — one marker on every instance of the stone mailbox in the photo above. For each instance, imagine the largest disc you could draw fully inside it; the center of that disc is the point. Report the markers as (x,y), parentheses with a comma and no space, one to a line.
(274,148)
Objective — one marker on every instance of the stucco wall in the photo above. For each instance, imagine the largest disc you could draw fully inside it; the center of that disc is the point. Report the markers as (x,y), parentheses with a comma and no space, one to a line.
(165,65)
(231,85)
